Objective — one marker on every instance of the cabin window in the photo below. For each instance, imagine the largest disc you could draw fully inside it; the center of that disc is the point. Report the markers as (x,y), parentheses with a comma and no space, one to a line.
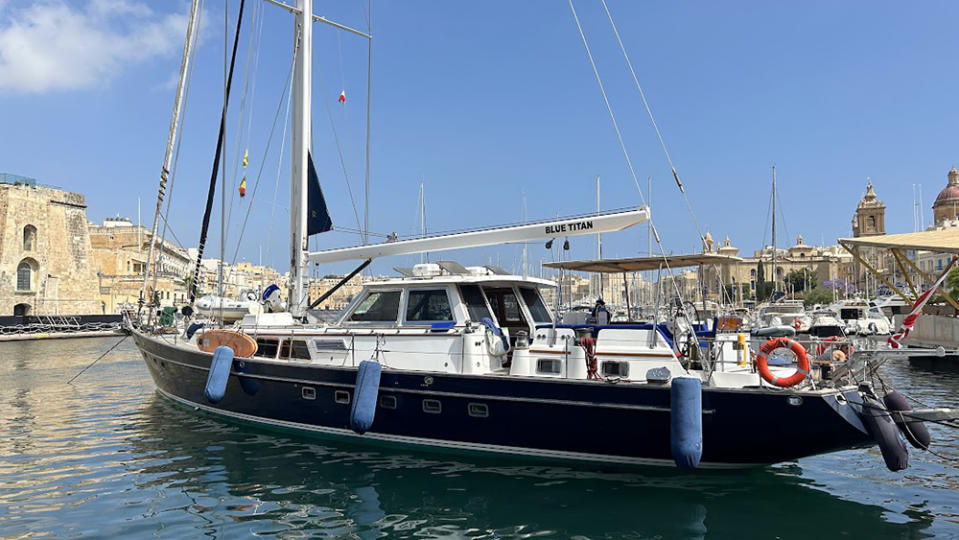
(308,393)
(506,307)
(342,397)
(432,406)
(378,307)
(267,347)
(478,410)
(536,306)
(475,303)
(428,306)
(549,366)
(388,402)
(615,369)
(296,349)
(29,238)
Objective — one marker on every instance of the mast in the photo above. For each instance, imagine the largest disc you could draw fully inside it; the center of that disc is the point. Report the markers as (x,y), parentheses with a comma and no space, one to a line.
(171,139)
(599,242)
(775,284)
(302,98)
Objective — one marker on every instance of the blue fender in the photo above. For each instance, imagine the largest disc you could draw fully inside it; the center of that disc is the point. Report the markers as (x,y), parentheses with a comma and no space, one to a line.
(686,421)
(364,396)
(219,374)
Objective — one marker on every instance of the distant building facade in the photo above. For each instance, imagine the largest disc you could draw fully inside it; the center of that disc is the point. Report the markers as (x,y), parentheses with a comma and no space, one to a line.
(120,250)
(45,254)
(737,280)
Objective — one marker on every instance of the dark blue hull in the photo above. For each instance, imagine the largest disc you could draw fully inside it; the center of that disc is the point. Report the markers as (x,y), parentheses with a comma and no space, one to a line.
(550,418)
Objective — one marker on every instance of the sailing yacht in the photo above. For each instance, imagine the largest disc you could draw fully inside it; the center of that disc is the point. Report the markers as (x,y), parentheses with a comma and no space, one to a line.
(471,358)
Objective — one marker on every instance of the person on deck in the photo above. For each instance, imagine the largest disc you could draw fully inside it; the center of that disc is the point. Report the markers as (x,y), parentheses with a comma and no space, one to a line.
(600,314)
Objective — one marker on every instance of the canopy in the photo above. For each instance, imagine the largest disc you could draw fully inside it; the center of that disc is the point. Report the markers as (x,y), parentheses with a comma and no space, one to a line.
(637,264)
(939,241)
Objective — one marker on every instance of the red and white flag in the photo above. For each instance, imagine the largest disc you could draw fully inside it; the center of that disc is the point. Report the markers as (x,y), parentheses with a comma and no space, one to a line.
(910,320)
(342,98)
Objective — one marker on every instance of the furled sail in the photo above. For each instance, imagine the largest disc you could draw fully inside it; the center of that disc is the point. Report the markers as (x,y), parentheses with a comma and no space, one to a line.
(318,220)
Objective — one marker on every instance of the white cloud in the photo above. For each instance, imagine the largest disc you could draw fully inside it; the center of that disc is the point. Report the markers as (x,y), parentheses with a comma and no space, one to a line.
(55,45)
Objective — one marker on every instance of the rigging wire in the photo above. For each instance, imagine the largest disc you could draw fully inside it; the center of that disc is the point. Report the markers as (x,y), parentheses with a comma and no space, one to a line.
(609,108)
(612,117)
(266,151)
(245,115)
(652,119)
(339,150)
(218,154)
(279,163)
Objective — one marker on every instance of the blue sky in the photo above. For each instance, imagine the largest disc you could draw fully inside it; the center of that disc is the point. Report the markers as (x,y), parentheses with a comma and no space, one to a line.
(483,101)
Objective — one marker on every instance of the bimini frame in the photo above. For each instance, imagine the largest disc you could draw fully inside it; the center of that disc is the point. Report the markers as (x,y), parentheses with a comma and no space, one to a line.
(937,241)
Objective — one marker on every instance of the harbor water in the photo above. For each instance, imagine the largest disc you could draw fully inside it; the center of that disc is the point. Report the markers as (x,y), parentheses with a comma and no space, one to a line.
(106,456)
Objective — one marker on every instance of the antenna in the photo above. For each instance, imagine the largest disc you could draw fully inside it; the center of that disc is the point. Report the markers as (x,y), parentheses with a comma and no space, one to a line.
(525,244)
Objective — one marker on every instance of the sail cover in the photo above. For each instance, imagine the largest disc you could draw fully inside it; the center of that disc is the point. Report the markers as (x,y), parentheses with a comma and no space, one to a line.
(318,221)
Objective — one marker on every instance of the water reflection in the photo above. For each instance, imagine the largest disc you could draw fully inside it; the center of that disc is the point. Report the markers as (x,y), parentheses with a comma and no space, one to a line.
(265,482)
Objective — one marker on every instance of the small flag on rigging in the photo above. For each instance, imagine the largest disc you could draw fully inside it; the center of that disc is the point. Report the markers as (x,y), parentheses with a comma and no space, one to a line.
(246,158)
(342,98)
(243,187)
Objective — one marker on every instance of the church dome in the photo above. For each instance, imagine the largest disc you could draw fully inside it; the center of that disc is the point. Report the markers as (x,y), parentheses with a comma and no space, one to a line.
(950,193)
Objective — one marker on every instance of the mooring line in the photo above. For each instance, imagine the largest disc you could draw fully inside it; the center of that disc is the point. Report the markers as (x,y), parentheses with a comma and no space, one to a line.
(115,345)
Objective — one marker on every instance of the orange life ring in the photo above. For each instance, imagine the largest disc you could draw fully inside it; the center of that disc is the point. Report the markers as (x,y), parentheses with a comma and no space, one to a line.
(779,343)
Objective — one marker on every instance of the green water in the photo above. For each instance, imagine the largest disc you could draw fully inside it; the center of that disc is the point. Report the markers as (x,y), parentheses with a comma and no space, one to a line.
(108,457)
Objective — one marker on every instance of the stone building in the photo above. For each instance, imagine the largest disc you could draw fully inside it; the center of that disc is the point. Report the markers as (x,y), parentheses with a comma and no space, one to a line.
(120,251)
(869,220)
(739,277)
(45,262)
(339,299)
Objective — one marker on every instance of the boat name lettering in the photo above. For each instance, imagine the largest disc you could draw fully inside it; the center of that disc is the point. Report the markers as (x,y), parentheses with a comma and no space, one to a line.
(571,226)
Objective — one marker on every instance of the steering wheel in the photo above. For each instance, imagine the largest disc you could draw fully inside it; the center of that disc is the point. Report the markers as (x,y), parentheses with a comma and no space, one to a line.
(683,332)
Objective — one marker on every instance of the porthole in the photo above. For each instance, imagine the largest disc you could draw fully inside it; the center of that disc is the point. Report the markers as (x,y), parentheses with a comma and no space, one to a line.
(479,410)
(432,406)
(308,392)
(388,402)
(342,397)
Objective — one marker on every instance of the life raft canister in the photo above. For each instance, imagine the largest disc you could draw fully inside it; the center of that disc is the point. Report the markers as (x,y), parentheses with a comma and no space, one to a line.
(762,362)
